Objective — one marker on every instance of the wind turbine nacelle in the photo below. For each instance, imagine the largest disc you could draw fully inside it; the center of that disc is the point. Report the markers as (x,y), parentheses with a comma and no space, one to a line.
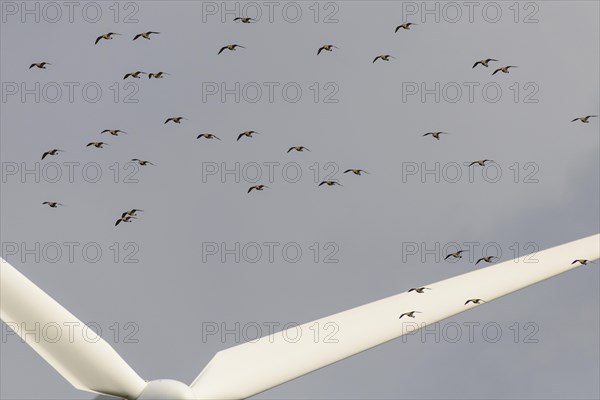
(166,389)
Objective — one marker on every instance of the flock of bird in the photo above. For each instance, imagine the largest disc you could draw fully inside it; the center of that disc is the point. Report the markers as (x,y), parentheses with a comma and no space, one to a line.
(132,214)
(421,290)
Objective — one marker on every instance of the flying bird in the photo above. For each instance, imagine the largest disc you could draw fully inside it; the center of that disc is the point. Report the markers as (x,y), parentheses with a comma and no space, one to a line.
(257,187)
(97,145)
(384,57)
(436,134)
(457,254)
(125,218)
(231,47)
(419,289)
(474,301)
(409,314)
(247,134)
(356,171)
(141,162)
(157,75)
(585,119)
(106,36)
(480,162)
(135,74)
(405,25)
(133,212)
(52,152)
(504,69)
(484,62)
(41,65)
(177,120)
(298,148)
(207,136)
(330,183)
(145,35)
(114,132)
(582,262)
(245,20)
(487,259)
(52,204)
(326,47)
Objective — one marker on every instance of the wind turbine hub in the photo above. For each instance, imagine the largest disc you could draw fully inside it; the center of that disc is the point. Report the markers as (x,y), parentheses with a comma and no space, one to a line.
(166,389)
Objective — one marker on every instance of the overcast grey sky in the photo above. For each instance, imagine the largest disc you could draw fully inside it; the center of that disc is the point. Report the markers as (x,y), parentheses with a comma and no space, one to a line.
(351,113)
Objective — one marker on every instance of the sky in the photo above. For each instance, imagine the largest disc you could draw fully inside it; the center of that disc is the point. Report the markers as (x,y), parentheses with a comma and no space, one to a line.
(204,253)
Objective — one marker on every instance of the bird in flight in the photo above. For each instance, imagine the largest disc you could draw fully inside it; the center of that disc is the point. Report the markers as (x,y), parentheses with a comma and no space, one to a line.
(257,187)
(135,74)
(487,259)
(409,314)
(247,134)
(436,134)
(142,162)
(231,47)
(330,183)
(157,75)
(484,62)
(41,65)
(244,20)
(480,162)
(52,152)
(133,212)
(582,262)
(356,171)
(585,119)
(177,120)
(124,218)
(474,301)
(457,254)
(207,136)
(98,145)
(145,35)
(419,289)
(384,57)
(106,36)
(504,69)
(114,132)
(326,47)
(405,25)
(298,148)
(52,204)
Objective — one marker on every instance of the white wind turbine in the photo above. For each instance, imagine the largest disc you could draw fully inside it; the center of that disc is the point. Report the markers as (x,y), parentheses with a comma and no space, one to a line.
(245,370)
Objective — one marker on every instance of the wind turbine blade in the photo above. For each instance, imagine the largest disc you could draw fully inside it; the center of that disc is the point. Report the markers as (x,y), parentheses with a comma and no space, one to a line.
(82,358)
(245,370)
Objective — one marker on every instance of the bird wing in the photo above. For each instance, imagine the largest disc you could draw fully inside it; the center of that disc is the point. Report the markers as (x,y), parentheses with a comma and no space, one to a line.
(137,36)
(320,50)
(222,48)
(98,39)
